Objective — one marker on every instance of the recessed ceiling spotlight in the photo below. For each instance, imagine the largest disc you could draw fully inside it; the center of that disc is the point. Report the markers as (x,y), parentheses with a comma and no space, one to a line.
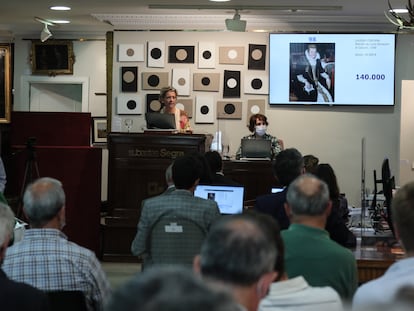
(60,8)
(219,0)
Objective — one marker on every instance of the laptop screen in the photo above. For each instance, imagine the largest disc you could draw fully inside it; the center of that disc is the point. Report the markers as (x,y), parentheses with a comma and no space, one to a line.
(229,198)
(256,148)
(157,120)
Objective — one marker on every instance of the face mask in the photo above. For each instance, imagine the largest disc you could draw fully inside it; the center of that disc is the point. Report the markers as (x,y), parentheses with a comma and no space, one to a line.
(261,130)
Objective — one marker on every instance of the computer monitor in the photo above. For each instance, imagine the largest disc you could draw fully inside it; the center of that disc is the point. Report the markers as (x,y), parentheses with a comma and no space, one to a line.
(229,198)
(157,120)
(256,148)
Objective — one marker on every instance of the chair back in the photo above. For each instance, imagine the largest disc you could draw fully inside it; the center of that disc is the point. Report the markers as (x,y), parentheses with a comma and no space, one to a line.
(67,301)
(174,240)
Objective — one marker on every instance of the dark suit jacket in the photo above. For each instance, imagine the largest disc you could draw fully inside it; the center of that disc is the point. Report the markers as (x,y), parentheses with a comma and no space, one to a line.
(16,296)
(273,204)
(221,180)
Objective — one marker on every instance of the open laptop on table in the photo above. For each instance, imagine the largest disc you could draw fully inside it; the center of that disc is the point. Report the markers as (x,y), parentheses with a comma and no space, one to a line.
(255,149)
(229,198)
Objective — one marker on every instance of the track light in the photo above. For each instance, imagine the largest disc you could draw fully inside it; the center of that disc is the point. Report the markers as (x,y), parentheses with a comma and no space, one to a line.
(45,34)
(236,24)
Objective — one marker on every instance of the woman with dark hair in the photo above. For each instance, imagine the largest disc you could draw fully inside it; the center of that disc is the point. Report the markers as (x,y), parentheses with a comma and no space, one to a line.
(336,223)
(258,126)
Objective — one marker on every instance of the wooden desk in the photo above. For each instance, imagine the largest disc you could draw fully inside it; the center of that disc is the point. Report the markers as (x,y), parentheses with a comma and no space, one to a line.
(372,262)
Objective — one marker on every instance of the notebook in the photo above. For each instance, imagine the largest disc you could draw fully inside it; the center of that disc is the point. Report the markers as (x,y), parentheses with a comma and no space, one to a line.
(229,198)
(255,149)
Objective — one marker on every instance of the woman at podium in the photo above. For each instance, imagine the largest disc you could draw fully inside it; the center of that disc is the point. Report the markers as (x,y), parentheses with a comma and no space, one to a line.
(168,98)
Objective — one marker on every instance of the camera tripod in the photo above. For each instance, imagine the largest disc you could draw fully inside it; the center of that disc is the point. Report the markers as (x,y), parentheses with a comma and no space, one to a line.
(31,172)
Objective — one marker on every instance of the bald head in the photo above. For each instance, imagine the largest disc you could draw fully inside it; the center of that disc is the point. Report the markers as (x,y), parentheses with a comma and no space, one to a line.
(307,195)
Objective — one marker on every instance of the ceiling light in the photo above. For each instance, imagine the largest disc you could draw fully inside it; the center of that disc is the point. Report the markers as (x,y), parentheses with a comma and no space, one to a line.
(219,0)
(45,34)
(60,22)
(236,24)
(398,10)
(60,8)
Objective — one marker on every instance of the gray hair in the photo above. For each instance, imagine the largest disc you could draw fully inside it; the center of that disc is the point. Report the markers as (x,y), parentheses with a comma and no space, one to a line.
(7,222)
(308,195)
(403,214)
(169,288)
(42,200)
(237,250)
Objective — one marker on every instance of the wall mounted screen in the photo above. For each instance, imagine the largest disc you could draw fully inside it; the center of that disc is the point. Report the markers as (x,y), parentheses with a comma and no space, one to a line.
(331,69)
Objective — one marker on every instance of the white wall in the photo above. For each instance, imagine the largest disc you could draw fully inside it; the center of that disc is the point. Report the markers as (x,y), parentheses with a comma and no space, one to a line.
(333,134)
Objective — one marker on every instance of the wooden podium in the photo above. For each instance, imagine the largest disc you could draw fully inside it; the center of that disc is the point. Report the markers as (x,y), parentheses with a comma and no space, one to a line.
(136,171)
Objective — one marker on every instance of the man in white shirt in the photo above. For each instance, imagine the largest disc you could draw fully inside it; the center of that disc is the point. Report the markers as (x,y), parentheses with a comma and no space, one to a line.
(400,274)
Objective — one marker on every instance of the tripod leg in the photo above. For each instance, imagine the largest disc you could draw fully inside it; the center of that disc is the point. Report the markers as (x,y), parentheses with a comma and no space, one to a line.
(24,182)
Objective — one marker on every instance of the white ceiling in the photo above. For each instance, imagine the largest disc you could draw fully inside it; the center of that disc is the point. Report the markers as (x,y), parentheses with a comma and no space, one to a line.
(95,17)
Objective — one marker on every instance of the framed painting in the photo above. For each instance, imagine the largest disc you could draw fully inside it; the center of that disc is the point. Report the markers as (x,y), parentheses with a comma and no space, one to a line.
(52,57)
(5,83)
(99,130)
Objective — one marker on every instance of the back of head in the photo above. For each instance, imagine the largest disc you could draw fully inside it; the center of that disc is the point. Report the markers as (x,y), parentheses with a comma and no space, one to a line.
(326,173)
(214,161)
(308,195)
(403,215)
(237,250)
(288,165)
(186,170)
(42,200)
(168,289)
(311,163)
(7,223)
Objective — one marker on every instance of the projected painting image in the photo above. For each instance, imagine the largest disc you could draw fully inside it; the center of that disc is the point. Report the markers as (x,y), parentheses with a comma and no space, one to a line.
(312,72)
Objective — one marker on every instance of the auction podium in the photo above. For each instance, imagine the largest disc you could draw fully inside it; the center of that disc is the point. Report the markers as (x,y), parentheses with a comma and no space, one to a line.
(136,171)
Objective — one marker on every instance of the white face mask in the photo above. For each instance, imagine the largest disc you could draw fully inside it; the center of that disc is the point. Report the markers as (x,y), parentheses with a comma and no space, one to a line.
(261,130)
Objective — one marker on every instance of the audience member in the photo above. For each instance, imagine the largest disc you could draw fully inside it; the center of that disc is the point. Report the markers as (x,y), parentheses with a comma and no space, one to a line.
(45,258)
(296,293)
(400,274)
(13,295)
(238,255)
(216,168)
(336,223)
(309,250)
(206,176)
(169,180)
(258,126)
(287,166)
(186,172)
(169,289)
(311,163)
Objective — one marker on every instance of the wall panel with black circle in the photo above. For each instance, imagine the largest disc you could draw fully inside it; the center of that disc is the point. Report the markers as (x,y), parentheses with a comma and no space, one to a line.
(207,55)
(207,82)
(204,109)
(229,110)
(256,83)
(154,80)
(127,104)
(257,57)
(156,54)
(231,84)
(129,76)
(181,54)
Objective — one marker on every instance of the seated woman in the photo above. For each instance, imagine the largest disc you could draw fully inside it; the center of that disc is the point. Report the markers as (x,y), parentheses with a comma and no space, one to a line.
(336,223)
(168,98)
(258,126)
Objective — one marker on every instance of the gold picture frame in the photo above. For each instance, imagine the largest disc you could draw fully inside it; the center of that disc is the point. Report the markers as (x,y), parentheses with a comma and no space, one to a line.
(5,83)
(53,57)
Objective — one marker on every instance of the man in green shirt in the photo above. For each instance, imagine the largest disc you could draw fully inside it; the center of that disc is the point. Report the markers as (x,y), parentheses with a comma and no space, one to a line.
(309,250)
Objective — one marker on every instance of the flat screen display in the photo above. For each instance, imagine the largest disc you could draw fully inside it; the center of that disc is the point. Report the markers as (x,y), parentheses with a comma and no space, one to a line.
(331,69)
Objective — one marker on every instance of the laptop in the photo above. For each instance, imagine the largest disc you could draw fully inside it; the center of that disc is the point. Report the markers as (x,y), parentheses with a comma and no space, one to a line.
(229,198)
(255,149)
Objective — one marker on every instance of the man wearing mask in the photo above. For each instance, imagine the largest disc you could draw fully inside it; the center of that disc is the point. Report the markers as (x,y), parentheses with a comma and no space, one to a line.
(258,126)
